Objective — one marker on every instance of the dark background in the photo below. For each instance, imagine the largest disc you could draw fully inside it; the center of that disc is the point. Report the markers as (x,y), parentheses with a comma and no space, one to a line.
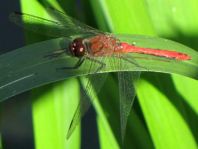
(11,35)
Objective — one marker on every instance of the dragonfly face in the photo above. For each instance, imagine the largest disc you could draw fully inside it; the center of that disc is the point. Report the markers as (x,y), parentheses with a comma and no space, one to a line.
(77,47)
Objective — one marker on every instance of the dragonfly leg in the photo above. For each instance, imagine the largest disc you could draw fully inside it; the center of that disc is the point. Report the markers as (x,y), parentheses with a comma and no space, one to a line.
(54,54)
(102,65)
(76,66)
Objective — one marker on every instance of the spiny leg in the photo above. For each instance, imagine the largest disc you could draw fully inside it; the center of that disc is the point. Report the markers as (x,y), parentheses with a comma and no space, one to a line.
(54,54)
(80,62)
(76,66)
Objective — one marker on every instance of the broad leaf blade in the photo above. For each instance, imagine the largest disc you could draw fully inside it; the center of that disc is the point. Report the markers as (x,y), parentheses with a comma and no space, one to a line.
(33,73)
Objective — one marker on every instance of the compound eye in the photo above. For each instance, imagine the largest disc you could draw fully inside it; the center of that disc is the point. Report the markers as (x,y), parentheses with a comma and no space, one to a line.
(77,47)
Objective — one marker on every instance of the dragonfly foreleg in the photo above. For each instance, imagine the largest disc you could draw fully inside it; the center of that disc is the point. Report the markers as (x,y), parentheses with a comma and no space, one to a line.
(76,66)
(54,54)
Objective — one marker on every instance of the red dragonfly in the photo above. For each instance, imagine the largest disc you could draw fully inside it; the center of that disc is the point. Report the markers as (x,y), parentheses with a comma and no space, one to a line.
(91,45)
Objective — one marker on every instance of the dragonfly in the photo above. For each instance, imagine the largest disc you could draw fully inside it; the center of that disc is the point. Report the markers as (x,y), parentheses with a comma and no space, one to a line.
(88,44)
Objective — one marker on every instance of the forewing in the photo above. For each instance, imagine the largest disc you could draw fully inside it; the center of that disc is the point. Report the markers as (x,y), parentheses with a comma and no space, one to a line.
(61,26)
(75,25)
(91,86)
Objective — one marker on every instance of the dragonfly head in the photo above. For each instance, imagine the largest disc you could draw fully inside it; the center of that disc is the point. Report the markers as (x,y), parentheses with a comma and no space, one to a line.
(77,47)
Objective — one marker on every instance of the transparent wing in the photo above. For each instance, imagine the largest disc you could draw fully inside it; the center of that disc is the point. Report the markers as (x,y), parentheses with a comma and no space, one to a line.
(76,25)
(61,26)
(127,92)
(127,95)
(93,84)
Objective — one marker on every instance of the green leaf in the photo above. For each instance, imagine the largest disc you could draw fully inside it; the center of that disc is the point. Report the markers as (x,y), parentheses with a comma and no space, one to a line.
(33,73)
